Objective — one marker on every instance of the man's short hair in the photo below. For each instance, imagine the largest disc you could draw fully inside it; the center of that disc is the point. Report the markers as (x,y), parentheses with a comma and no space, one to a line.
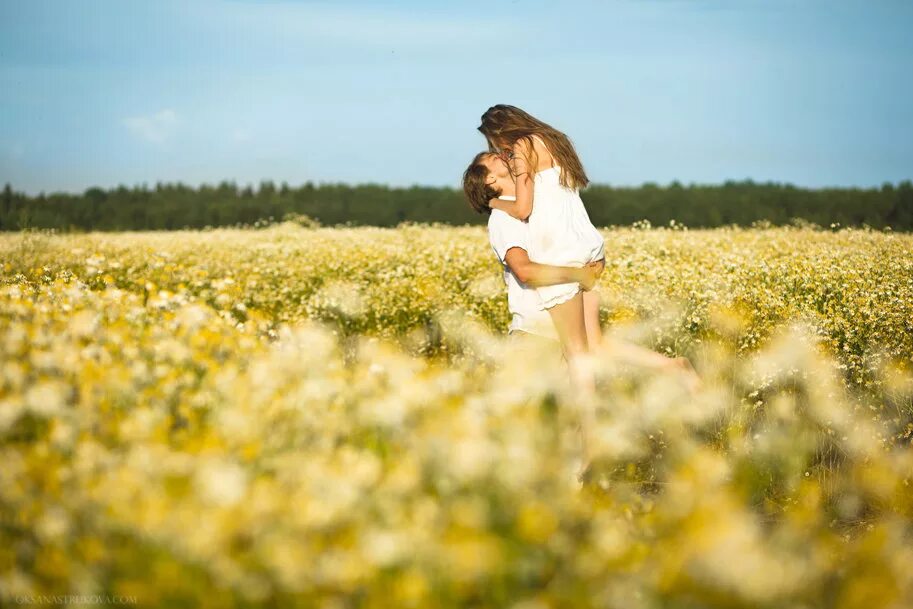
(477,191)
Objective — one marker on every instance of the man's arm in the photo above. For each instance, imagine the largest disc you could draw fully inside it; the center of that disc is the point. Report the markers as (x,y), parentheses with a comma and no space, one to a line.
(536,275)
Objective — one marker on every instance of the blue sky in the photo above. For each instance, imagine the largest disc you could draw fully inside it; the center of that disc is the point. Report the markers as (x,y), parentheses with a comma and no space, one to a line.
(106,92)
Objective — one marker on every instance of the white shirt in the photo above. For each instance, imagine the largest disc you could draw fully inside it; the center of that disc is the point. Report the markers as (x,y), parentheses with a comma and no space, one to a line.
(505,232)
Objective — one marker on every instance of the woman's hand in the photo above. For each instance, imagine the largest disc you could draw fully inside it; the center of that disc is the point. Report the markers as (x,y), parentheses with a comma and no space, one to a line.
(518,158)
(523,178)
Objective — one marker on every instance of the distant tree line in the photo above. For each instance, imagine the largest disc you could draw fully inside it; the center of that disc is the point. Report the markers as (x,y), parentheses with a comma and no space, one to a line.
(174,206)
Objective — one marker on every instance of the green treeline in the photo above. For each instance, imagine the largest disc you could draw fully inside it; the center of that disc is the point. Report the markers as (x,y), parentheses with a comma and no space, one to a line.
(175,206)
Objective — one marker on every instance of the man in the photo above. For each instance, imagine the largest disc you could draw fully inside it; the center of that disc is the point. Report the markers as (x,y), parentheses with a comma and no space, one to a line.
(486,178)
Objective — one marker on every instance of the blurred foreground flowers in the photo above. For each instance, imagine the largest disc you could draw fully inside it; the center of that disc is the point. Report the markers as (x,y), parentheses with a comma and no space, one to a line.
(231,419)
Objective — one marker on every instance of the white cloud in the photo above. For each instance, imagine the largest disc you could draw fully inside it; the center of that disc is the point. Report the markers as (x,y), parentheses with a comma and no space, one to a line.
(155,128)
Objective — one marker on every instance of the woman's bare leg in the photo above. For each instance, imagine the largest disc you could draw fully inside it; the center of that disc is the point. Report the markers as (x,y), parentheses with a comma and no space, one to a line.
(591,319)
(641,356)
(594,341)
(570,324)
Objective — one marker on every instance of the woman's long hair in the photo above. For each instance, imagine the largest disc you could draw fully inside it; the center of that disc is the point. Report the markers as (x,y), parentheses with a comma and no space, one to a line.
(504,125)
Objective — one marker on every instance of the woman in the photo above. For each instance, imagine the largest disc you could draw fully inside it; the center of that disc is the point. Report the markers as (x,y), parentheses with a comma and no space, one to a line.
(548,175)
(488,184)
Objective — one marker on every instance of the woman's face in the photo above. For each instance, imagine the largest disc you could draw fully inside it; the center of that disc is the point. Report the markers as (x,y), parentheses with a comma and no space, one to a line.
(501,147)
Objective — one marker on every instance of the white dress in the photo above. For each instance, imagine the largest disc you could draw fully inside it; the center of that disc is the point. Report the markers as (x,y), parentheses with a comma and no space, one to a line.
(560,232)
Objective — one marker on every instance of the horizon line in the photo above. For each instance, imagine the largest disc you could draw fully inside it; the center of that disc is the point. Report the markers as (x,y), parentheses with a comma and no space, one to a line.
(258,185)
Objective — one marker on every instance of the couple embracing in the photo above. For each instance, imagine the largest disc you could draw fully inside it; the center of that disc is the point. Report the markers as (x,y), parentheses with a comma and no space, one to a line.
(528,183)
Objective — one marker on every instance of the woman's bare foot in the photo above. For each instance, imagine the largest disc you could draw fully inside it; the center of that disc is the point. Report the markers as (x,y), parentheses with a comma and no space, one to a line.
(690,377)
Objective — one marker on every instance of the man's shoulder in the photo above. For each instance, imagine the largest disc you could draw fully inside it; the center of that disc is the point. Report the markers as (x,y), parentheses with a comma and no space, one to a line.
(495,217)
(505,232)
(500,217)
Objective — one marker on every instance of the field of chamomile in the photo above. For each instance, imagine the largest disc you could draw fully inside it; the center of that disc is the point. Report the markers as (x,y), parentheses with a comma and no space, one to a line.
(334,418)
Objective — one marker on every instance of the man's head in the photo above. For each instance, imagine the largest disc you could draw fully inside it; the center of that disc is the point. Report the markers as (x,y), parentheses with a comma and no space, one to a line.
(486,178)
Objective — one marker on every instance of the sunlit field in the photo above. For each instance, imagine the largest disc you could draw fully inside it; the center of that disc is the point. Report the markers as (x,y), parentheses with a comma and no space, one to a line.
(333,417)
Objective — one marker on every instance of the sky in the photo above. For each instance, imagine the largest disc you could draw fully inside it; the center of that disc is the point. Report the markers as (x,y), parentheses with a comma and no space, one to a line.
(104,92)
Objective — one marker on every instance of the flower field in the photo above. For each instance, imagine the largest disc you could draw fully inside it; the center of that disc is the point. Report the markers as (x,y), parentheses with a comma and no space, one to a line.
(333,418)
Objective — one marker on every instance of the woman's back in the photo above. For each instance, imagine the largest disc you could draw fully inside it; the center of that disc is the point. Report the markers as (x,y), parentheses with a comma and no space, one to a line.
(560,231)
